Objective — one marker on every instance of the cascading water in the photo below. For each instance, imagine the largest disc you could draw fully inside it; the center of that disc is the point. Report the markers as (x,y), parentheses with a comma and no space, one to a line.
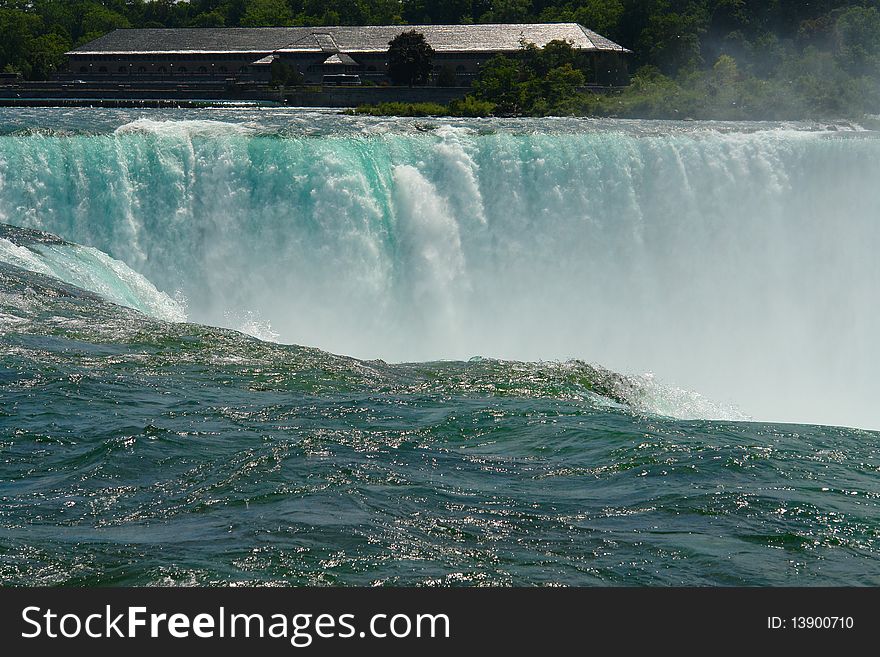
(740,262)
(89,269)
(734,260)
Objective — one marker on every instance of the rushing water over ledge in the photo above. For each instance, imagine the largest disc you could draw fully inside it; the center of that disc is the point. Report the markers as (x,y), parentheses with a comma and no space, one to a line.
(737,260)
(734,259)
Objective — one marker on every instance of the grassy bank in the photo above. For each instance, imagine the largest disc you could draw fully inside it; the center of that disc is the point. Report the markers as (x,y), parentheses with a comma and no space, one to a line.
(467,106)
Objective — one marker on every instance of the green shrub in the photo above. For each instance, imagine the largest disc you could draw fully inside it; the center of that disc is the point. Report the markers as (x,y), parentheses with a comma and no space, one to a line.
(471,106)
(403,109)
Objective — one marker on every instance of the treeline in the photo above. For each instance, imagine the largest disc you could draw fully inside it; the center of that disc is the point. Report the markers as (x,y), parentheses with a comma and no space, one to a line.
(725,58)
(829,68)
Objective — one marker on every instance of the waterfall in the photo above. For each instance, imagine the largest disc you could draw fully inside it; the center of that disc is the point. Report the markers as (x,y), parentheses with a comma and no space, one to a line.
(740,263)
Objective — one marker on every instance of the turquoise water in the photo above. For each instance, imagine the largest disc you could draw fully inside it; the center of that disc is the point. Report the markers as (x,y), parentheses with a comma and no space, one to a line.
(606,351)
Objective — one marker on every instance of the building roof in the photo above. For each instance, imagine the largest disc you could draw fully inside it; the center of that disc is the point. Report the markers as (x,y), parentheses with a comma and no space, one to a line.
(349,39)
(267,60)
(340,58)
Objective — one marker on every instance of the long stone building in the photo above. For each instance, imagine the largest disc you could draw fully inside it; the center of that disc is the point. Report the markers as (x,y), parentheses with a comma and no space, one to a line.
(188,55)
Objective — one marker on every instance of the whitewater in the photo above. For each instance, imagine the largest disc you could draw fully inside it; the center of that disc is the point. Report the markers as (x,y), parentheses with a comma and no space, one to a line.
(736,260)
(280,347)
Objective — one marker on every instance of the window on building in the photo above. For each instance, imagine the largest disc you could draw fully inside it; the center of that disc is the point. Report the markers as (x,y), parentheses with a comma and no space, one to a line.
(223,69)
(83,69)
(142,69)
(162,69)
(183,69)
(203,69)
(460,69)
(243,69)
(102,69)
(123,69)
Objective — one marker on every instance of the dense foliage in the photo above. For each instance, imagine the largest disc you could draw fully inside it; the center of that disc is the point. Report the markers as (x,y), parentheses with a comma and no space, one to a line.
(725,58)
(813,84)
(410,58)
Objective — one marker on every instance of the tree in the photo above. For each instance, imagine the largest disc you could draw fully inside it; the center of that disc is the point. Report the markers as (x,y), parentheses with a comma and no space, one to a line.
(332,12)
(673,40)
(384,12)
(857,38)
(602,16)
(209,19)
(507,11)
(100,20)
(16,30)
(500,83)
(554,54)
(559,89)
(267,13)
(410,58)
(46,55)
(431,11)
(283,74)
